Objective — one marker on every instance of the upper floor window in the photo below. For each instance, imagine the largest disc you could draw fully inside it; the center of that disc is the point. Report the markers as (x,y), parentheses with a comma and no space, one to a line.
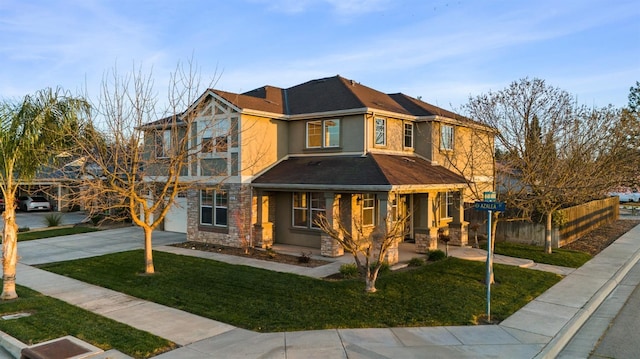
(446,137)
(307,206)
(215,138)
(408,135)
(323,133)
(213,208)
(380,132)
(368,209)
(163,144)
(207,145)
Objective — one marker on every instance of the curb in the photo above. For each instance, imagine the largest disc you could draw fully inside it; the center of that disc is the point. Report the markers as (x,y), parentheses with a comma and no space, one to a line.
(559,341)
(11,345)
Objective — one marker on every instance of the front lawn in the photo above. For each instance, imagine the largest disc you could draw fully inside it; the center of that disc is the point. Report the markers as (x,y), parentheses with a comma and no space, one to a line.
(559,256)
(449,292)
(31,235)
(51,318)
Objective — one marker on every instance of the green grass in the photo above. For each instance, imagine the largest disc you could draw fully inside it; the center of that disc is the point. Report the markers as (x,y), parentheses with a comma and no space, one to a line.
(28,236)
(52,318)
(449,292)
(559,256)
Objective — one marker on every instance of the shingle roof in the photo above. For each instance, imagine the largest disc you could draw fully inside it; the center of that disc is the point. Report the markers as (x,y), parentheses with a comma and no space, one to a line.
(353,171)
(330,94)
(267,98)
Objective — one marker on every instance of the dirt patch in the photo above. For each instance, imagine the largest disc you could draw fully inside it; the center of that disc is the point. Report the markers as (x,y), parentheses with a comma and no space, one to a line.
(598,239)
(303,260)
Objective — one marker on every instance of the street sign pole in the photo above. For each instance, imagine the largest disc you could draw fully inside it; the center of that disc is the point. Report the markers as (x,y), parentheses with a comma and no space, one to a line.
(489,267)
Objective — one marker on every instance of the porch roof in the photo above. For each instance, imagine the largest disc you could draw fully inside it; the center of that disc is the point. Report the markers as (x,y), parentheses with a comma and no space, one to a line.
(373,172)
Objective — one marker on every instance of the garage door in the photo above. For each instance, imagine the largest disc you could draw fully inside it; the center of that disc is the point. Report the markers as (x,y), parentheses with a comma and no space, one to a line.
(176,219)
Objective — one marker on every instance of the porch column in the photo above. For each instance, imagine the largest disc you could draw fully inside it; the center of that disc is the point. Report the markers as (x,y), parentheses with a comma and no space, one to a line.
(392,255)
(330,247)
(262,229)
(429,240)
(458,228)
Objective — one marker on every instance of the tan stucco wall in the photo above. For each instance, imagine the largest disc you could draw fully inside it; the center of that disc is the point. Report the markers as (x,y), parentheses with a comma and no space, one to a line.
(261,142)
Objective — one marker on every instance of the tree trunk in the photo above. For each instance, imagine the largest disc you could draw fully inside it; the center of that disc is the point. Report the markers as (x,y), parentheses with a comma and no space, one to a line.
(9,253)
(370,283)
(148,251)
(547,233)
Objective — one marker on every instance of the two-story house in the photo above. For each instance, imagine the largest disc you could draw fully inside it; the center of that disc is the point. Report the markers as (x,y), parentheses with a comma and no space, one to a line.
(272,159)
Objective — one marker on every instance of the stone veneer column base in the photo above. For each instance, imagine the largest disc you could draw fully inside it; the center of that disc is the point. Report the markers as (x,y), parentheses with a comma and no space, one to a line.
(426,242)
(393,254)
(459,234)
(329,247)
(263,235)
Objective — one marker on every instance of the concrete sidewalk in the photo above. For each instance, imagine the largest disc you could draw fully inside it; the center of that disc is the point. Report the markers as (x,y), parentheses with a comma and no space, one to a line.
(539,330)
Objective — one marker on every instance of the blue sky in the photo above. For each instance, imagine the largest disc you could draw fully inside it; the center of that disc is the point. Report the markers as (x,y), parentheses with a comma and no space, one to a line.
(443,51)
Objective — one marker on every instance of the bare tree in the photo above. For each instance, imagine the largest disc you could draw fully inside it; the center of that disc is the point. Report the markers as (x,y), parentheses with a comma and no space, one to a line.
(129,174)
(553,152)
(369,248)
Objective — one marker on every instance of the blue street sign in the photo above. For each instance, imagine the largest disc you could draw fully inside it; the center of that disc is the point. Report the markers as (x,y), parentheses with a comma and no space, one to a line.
(489,206)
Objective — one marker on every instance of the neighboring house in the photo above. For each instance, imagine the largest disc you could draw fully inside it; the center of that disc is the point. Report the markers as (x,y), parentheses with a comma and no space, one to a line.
(279,157)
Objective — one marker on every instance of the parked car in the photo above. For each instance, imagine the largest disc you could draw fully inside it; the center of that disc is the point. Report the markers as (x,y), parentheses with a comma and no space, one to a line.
(624,197)
(33,203)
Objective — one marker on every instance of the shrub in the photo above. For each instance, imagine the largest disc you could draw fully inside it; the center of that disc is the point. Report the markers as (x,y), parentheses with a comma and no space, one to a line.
(271,253)
(416,262)
(304,257)
(436,255)
(24,229)
(96,219)
(53,219)
(349,270)
(384,268)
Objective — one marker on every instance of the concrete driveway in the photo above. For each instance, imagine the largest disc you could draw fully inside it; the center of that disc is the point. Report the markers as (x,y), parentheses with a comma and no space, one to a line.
(37,219)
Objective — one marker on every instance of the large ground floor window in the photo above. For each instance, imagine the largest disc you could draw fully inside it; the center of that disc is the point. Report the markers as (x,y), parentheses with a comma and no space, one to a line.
(306,208)
(213,207)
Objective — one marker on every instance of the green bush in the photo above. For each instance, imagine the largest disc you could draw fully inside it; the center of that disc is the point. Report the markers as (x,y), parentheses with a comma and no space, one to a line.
(349,270)
(384,268)
(53,219)
(416,262)
(436,255)
(96,219)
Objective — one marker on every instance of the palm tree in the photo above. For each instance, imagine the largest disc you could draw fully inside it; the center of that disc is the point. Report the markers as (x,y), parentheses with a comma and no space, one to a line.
(30,133)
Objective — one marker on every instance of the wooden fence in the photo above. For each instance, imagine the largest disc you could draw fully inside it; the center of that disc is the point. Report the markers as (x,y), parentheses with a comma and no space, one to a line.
(578,221)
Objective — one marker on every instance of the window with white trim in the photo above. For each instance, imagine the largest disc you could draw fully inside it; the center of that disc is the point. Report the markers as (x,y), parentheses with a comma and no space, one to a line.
(380,132)
(323,133)
(368,209)
(446,137)
(213,208)
(408,135)
(221,129)
(307,206)
(207,145)
(163,143)
(446,204)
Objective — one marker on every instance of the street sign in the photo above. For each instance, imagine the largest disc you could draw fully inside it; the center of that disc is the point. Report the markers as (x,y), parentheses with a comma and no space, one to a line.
(489,206)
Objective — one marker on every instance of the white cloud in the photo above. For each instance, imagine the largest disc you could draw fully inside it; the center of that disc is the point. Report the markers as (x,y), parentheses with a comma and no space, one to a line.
(340,7)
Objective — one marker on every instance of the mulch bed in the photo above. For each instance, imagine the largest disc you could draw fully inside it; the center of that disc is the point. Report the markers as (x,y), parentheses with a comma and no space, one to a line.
(598,239)
(302,260)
